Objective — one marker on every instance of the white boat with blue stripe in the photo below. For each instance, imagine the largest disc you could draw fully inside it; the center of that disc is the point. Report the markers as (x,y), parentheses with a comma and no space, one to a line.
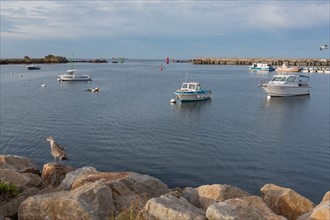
(261,67)
(192,91)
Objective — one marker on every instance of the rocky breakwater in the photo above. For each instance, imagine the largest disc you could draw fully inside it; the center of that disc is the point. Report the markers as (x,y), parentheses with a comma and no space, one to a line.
(64,192)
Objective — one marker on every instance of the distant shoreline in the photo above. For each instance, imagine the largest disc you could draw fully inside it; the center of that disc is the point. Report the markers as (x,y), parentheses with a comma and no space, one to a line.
(49,59)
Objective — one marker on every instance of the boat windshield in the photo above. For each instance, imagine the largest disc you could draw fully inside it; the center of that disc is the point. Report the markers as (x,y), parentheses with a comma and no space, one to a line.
(192,86)
(277,78)
(291,79)
(184,86)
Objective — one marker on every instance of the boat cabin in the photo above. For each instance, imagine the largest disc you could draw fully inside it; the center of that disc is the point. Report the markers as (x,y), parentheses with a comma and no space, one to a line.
(299,80)
(191,86)
(71,72)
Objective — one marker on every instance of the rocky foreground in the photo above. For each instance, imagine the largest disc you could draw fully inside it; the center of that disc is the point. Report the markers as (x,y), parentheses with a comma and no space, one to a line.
(64,192)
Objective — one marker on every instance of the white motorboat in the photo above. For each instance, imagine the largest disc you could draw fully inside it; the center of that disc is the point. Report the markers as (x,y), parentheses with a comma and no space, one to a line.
(287,85)
(191,91)
(261,67)
(72,76)
(316,70)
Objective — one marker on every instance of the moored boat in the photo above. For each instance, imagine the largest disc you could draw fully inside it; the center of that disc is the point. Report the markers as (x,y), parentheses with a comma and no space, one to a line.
(287,85)
(33,67)
(192,91)
(261,67)
(72,76)
(285,68)
(316,70)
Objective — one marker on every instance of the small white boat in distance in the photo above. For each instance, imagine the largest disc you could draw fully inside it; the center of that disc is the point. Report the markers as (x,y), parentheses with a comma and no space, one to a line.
(287,85)
(285,68)
(192,91)
(72,76)
(33,67)
(261,67)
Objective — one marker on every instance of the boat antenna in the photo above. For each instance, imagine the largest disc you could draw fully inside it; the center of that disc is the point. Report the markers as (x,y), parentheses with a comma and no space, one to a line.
(72,62)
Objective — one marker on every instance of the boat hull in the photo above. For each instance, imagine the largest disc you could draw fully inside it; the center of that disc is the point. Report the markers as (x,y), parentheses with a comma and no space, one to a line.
(289,69)
(73,78)
(193,96)
(33,68)
(261,69)
(281,91)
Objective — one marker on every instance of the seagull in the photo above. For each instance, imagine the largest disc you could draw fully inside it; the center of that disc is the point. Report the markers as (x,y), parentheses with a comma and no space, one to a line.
(57,150)
(93,90)
(322,47)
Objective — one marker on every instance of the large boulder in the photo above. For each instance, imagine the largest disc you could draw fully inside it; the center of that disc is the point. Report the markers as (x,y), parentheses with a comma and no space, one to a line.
(170,207)
(285,201)
(250,207)
(206,195)
(72,176)
(320,212)
(18,164)
(127,187)
(10,208)
(90,201)
(53,174)
(326,196)
(108,177)
(24,175)
(10,176)
(134,182)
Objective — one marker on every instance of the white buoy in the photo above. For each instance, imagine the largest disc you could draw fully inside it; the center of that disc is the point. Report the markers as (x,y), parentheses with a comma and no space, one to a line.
(173,101)
(20,75)
(268,97)
(43,85)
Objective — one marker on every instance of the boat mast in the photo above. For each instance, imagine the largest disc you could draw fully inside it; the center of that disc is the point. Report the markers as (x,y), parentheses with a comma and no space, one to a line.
(71,61)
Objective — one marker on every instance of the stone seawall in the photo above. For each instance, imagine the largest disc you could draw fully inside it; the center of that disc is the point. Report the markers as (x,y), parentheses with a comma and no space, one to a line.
(65,192)
(271,61)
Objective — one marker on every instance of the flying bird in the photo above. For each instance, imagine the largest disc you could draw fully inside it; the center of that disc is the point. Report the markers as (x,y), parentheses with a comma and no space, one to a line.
(57,150)
(322,47)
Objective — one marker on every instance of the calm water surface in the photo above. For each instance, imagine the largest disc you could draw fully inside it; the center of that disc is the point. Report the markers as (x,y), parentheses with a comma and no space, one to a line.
(239,137)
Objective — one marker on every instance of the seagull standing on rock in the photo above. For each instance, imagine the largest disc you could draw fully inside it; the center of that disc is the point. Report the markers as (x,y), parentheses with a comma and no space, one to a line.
(57,150)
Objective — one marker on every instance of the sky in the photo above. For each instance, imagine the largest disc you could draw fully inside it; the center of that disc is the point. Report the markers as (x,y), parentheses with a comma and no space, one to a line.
(153,29)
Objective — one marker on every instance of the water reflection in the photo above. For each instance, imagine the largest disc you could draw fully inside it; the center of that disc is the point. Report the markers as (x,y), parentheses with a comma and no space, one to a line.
(281,102)
(191,110)
(192,106)
(284,114)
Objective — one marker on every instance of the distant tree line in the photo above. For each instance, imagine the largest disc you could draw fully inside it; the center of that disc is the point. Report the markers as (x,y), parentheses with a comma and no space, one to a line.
(47,59)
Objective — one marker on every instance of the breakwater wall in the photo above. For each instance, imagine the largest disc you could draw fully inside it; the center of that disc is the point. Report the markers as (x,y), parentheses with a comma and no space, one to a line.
(271,61)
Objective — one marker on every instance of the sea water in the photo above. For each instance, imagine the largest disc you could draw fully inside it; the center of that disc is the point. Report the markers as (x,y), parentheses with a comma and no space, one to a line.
(239,137)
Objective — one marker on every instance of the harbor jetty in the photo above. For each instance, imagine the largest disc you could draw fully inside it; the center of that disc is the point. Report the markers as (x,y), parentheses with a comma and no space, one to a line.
(271,61)
(65,192)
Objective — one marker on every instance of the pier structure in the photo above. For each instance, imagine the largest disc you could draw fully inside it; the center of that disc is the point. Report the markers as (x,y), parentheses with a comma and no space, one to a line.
(271,61)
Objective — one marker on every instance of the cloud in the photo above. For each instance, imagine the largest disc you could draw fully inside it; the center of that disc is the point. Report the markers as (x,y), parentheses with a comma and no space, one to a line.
(283,16)
(86,19)
(192,25)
